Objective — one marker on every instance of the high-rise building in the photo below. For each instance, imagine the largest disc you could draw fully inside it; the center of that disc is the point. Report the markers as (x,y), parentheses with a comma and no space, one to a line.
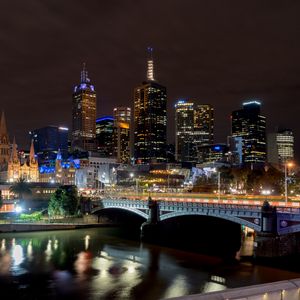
(250,125)
(48,141)
(184,131)
(4,144)
(150,118)
(203,124)
(84,115)
(122,120)
(280,146)
(104,134)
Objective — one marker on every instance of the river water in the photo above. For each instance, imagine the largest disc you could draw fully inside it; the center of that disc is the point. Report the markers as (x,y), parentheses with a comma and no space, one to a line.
(97,264)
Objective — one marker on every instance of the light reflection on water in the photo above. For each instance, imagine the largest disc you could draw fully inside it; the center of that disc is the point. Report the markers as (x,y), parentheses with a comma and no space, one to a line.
(88,264)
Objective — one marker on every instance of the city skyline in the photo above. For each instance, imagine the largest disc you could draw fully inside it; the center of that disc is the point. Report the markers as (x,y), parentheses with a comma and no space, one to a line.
(223,61)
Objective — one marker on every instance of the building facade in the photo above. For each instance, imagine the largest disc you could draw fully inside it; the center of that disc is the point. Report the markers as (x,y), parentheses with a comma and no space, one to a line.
(212,153)
(84,115)
(122,122)
(250,125)
(280,146)
(28,169)
(203,124)
(105,135)
(150,119)
(61,172)
(184,131)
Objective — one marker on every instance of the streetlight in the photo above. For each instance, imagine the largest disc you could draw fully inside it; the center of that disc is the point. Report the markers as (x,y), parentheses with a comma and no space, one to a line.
(219,185)
(219,182)
(286,166)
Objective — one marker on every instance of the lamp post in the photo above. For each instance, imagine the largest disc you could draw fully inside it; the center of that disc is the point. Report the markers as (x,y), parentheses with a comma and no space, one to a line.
(136,185)
(219,185)
(286,165)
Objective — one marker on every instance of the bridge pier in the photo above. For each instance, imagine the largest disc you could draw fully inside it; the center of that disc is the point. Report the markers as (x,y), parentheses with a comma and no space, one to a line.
(150,228)
(268,243)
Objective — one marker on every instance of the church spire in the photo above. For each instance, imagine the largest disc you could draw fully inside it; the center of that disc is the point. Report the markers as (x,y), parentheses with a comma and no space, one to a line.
(3,129)
(150,64)
(32,159)
(84,74)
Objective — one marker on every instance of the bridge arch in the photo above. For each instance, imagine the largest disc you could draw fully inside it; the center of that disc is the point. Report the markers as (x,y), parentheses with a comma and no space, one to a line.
(225,217)
(136,211)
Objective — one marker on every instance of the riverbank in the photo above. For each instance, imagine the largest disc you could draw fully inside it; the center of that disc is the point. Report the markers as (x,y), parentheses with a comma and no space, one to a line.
(28,227)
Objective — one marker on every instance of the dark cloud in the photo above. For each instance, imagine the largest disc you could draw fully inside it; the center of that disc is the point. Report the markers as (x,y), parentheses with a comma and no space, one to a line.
(218,52)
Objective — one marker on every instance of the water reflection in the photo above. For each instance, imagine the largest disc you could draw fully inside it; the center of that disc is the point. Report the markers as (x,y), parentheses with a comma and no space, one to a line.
(3,246)
(86,242)
(91,264)
(17,255)
(48,251)
(83,263)
(29,251)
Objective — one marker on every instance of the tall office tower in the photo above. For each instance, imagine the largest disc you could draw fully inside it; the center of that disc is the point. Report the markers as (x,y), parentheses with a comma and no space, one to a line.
(122,119)
(84,114)
(150,118)
(4,144)
(280,146)
(250,125)
(48,140)
(104,134)
(184,131)
(203,124)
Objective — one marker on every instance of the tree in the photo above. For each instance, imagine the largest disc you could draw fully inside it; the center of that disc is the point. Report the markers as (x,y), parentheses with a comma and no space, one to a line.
(64,201)
(21,188)
(205,184)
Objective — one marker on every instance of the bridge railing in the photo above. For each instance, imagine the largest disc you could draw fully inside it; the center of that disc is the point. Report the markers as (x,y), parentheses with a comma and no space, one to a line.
(170,204)
(203,204)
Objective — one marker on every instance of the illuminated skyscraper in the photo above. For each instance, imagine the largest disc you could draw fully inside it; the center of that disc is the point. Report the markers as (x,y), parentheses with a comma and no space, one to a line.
(84,114)
(122,120)
(281,146)
(184,131)
(204,124)
(150,118)
(250,125)
(104,133)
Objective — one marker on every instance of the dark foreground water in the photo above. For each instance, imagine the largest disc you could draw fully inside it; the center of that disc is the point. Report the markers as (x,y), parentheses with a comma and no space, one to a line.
(95,264)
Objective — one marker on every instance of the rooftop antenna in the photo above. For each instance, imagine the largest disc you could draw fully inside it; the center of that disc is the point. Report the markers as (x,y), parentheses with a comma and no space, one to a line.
(150,64)
(84,74)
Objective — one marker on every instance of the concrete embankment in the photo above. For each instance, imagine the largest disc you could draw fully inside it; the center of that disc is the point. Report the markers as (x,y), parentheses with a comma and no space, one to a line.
(17,227)
(280,290)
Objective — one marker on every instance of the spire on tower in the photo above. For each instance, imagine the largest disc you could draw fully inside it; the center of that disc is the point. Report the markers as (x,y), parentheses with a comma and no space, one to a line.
(58,156)
(4,138)
(3,128)
(150,64)
(84,74)
(31,153)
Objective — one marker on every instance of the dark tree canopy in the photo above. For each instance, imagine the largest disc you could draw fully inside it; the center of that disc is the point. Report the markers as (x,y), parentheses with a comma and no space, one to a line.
(64,201)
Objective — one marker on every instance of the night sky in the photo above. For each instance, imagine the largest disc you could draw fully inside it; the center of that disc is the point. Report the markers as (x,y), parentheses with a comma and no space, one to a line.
(215,51)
